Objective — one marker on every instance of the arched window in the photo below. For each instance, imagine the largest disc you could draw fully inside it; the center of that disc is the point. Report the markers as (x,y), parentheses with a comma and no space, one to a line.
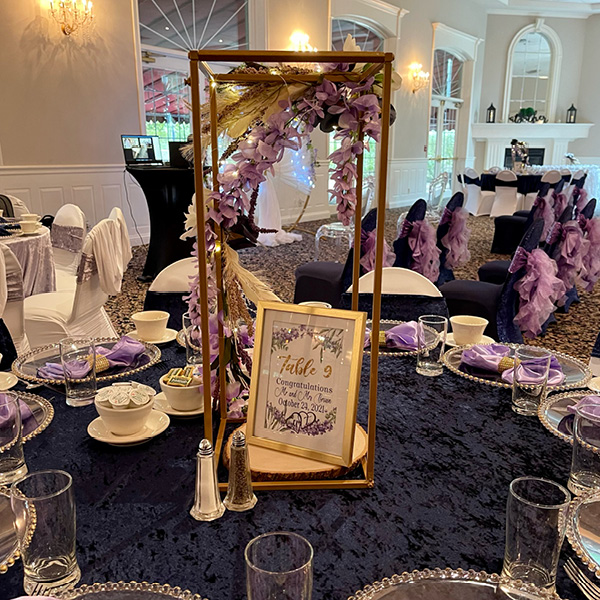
(532,71)
(446,89)
(366,37)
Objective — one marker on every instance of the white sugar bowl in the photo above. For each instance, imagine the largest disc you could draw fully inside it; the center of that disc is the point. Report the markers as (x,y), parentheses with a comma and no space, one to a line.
(182,398)
(125,408)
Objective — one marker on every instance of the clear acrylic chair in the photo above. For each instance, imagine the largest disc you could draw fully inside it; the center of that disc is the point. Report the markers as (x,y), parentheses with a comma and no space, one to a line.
(332,241)
(435,203)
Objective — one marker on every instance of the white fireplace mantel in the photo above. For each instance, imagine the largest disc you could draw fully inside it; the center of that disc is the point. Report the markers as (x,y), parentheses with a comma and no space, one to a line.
(553,137)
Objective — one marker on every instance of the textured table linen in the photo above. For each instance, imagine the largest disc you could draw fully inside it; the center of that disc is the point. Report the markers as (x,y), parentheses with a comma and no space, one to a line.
(34,253)
(446,451)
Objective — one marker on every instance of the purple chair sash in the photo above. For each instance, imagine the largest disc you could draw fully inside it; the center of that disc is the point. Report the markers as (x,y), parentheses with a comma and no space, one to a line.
(573,248)
(539,289)
(544,211)
(560,203)
(591,259)
(425,253)
(369,251)
(457,238)
(580,198)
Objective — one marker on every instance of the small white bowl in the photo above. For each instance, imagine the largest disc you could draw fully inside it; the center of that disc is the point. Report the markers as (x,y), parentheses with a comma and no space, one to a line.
(124,422)
(150,325)
(315,304)
(182,398)
(468,329)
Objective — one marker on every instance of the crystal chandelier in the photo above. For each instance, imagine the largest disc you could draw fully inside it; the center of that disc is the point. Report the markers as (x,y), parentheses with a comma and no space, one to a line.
(72,15)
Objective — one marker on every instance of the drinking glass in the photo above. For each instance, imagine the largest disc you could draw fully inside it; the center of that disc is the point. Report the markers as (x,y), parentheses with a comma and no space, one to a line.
(431,341)
(12,459)
(192,334)
(530,379)
(585,463)
(44,510)
(536,514)
(279,567)
(78,358)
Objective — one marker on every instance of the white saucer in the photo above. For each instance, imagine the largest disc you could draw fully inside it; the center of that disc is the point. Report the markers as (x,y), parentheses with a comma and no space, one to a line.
(36,232)
(594,384)
(7,381)
(157,422)
(161,402)
(170,335)
(485,339)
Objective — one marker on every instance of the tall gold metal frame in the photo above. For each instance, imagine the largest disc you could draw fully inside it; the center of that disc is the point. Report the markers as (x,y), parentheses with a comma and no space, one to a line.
(377,61)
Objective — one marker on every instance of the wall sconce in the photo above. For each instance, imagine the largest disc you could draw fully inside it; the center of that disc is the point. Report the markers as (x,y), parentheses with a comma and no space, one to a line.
(299,42)
(571,114)
(72,15)
(420,79)
(490,114)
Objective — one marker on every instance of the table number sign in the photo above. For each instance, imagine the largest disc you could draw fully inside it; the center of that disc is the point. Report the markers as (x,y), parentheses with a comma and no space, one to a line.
(305,381)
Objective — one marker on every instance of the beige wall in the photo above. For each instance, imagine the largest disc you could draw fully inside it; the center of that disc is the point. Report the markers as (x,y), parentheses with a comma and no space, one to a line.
(588,103)
(500,32)
(286,16)
(65,101)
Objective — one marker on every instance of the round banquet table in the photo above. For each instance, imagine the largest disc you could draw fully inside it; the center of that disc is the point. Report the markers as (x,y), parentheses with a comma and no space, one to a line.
(526,184)
(447,449)
(34,253)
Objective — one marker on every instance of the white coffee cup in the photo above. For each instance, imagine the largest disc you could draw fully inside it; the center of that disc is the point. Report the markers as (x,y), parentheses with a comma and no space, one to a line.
(315,304)
(182,398)
(468,329)
(124,422)
(151,324)
(29,226)
(29,217)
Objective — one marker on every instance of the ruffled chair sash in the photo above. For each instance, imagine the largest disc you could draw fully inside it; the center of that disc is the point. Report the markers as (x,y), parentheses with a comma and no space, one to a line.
(539,289)
(591,259)
(457,238)
(572,248)
(560,203)
(580,199)
(544,211)
(369,251)
(425,253)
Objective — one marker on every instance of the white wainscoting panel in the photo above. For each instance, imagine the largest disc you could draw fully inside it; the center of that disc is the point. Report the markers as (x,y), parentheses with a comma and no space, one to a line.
(407,181)
(96,189)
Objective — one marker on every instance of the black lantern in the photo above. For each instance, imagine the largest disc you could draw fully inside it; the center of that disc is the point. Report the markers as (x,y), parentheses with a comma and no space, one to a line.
(490,114)
(571,114)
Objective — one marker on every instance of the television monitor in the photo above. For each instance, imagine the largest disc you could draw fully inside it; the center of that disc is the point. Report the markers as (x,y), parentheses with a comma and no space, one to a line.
(140,150)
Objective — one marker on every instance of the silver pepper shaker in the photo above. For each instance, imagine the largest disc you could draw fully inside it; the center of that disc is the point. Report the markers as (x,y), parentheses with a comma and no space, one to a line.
(207,504)
(239,496)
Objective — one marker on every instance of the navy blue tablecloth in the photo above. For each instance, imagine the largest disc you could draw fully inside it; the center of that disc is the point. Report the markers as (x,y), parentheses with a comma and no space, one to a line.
(525,183)
(446,452)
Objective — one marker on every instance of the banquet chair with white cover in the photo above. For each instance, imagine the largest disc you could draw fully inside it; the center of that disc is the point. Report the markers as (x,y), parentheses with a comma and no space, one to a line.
(505,200)
(11,298)
(396,280)
(51,317)
(67,235)
(551,177)
(116,214)
(478,202)
(19,207)
(168,288)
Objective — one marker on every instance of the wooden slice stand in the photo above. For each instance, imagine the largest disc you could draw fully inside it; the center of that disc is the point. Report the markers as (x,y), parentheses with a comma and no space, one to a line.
(273,465)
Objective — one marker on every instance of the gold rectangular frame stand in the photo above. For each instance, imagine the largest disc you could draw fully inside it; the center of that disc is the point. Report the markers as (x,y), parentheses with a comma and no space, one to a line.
(377,61)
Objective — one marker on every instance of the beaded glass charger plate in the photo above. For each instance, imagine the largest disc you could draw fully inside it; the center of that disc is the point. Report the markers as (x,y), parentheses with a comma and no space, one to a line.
(583,529)
(449,584)
(129,591)
(431,338)
(554,415)
(42,411)
(576,372)
(26,366)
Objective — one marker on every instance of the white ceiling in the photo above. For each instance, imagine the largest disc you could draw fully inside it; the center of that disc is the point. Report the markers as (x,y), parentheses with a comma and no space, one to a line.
(579,9)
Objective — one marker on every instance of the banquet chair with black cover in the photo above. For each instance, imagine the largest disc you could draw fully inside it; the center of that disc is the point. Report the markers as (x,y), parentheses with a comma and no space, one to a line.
(80,313)
(169,287)
(595,358)
(505,200)
(498,303)
(405,295)
(454,204)
(11,300)
(478,202)
(67,235)
(552,177)
(325,281)
(577,183)
(402,248)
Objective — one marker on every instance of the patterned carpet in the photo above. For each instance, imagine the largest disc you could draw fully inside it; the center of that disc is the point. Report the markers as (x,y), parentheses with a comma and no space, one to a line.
(574,333)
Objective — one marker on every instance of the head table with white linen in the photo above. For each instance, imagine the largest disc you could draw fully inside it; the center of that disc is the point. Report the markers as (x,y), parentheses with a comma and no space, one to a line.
(34,253)
(447,449)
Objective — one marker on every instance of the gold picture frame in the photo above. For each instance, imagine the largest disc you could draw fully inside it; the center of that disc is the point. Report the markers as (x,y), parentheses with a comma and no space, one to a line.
(316,387)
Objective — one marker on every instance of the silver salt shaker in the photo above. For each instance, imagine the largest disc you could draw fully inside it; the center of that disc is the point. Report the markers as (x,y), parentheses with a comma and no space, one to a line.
(207,504)
(240,496)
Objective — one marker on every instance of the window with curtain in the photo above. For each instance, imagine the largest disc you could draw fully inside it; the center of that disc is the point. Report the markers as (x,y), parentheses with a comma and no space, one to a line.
(530,74)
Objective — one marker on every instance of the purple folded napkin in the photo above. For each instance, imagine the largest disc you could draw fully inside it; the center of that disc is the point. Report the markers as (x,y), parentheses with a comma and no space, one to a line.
(485,361)
(126,352)
(400,337)
(588,407)
(28,421)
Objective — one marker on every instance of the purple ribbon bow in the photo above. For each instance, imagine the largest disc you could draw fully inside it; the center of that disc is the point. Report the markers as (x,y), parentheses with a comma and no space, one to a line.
(369,251)
(124,353)
(588,407)
(28,421)
(457,238)
(400,337)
